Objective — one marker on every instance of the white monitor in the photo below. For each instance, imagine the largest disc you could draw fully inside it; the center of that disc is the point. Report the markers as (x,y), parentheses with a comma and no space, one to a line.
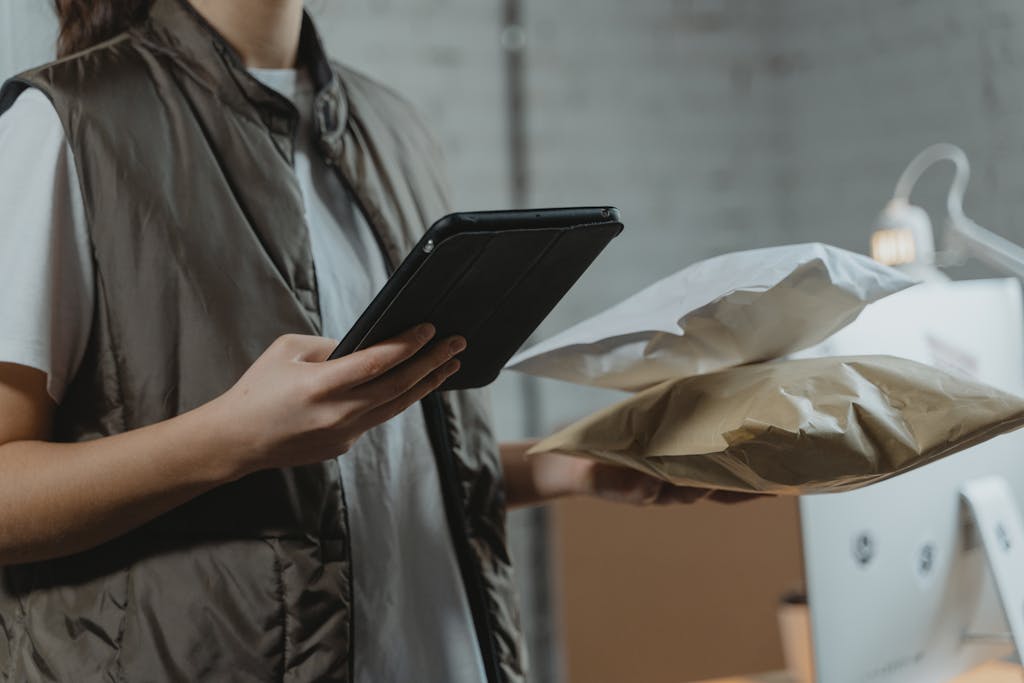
(899,589)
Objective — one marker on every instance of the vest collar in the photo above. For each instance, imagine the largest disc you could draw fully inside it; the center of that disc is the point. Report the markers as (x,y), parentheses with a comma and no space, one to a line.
(175,27)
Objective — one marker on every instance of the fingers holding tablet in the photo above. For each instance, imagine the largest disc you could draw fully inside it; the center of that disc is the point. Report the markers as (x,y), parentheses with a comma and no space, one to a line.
(406,375)
(361,367)
(319,409)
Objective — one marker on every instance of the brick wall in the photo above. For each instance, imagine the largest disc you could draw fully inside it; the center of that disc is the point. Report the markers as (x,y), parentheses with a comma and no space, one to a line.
(864,90)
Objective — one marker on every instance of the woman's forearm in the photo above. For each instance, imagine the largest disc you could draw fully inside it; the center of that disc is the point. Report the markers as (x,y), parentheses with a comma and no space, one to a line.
(537,479)
(57,499)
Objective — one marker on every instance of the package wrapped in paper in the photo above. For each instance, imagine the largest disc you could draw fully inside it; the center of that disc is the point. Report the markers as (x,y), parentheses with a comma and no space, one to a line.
(726,311)
(795,426)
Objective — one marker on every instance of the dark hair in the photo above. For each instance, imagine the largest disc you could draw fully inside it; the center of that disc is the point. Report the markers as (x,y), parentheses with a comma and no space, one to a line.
(84,23)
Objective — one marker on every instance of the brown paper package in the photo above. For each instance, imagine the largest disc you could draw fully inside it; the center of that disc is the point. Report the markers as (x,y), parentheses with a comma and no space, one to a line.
(794,426)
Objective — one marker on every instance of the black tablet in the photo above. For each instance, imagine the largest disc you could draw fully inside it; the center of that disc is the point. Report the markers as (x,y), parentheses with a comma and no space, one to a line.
(491,277)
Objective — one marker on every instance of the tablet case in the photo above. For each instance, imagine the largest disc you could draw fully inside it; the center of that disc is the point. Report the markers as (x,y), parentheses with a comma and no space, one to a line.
(491,277)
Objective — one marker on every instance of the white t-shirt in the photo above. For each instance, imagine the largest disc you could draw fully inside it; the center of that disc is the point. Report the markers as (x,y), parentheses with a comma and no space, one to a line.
(412,618)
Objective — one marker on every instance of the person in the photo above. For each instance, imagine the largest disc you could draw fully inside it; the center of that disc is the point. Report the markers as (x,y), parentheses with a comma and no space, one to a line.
(197,204)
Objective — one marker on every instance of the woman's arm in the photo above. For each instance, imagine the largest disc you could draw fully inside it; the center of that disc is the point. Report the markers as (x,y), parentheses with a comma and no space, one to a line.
(60,498)
(532,480)
(536,479)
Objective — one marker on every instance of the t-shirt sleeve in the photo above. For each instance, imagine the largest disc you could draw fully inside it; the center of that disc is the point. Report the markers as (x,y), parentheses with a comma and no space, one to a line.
(47,289)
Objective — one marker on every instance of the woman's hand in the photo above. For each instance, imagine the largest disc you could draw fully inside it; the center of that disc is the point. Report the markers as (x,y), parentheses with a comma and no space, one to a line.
(289,408)
(625,485)
(530,480)
(293,407)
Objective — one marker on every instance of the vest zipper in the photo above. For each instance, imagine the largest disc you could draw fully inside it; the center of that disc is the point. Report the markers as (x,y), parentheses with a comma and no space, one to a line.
(436,416)
(472,578)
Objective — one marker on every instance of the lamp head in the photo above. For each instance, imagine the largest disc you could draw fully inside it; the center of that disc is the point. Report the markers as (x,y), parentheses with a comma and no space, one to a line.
(903,235)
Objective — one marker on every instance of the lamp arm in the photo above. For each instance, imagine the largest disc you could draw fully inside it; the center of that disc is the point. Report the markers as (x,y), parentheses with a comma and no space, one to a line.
(942,151)
(966,237)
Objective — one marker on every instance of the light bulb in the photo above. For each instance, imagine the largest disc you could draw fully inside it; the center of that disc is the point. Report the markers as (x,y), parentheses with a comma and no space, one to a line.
(893,247)
(903,235)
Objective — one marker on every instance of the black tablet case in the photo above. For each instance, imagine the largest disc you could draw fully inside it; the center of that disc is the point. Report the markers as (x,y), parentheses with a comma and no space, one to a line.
(492,286)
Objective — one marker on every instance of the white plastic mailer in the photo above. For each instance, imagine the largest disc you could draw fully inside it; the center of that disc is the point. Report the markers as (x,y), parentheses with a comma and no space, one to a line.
(726,311)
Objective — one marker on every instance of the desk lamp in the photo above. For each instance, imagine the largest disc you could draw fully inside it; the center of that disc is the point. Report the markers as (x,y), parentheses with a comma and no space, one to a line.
(904,237)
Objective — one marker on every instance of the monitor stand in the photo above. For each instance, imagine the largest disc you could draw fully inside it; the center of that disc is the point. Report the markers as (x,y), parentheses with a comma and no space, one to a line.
(998,522)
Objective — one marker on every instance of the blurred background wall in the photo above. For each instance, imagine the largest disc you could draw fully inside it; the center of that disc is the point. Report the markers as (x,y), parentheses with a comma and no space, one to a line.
(27,34)
(715,125)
